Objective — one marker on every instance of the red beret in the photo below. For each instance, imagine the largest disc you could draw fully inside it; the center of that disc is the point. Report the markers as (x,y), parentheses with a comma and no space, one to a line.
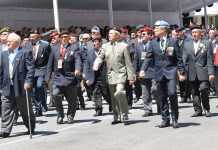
(145,29)
(54,34)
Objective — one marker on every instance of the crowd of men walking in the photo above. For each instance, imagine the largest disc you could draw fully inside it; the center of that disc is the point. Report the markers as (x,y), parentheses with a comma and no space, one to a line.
(109,63)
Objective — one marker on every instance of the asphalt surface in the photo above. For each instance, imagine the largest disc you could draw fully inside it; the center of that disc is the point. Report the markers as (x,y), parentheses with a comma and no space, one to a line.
(138,133)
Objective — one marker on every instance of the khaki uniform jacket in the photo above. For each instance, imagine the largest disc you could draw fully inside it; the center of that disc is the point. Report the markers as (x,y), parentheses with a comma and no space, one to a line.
(119,65)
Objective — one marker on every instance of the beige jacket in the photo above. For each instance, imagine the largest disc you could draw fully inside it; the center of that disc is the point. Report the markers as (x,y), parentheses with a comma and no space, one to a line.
(119,65)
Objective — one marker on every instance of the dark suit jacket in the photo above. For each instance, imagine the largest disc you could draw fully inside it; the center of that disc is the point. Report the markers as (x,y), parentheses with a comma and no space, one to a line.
(88,71)
(71,62)
(23,72)
(138,61)
(42,57)
(200,65)
(165,65)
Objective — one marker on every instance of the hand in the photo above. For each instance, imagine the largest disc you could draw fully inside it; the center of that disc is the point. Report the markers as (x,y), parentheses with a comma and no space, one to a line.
(87,82)
(47,81)
(142,73)
(84,77)
(26,86)
(211,77)
(131,82)
(182,78)
(95,68)
(77,72)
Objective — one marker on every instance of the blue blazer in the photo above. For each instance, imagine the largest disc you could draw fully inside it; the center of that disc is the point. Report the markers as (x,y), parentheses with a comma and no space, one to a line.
(138,61)
(42,57)
(88,71)
(165,64)
(23,71)
(71,62)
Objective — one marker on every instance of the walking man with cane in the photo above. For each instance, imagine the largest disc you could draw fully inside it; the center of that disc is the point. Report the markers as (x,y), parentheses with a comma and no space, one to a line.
(16,76)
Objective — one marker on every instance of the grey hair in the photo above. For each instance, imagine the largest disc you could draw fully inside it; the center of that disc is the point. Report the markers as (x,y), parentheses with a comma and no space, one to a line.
(14,37)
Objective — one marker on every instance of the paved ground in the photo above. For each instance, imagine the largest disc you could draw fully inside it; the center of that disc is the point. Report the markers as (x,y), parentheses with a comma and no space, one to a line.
(97,133)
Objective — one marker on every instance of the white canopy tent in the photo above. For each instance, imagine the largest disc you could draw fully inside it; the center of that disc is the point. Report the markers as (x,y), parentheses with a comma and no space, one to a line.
(110,12)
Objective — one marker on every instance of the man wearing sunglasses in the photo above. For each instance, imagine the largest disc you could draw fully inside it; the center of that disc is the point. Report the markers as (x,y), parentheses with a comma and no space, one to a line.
(65,61)
(167,58)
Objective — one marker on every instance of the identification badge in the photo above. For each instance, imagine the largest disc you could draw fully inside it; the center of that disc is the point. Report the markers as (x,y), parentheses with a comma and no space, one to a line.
(60,62)
(170,51)
(143,55)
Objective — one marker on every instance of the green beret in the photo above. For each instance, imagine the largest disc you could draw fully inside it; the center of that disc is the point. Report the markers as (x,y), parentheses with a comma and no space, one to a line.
(140,26)
(5,29)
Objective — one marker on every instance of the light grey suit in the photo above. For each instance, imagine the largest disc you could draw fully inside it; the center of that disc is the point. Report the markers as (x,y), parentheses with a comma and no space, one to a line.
(119,68)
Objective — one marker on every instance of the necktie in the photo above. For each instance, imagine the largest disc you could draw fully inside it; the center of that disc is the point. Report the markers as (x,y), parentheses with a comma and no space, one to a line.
(162,45)
(34,51)
(145,46)
(216,58)
(63,49)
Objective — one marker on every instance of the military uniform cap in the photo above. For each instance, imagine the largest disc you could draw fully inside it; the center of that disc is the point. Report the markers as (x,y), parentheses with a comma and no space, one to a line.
(5,29)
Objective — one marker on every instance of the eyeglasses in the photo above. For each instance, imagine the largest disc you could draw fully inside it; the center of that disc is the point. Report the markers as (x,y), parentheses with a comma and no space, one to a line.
(64,37)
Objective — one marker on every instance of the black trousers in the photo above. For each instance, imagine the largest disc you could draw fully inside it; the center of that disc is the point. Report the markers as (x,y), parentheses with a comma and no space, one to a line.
(129,94)
(185,90)
(167,88)
(100,89)
(137,89)
(199,90)
(70,93)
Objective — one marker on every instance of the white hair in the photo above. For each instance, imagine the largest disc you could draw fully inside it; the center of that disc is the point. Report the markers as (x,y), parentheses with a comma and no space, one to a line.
(14,37)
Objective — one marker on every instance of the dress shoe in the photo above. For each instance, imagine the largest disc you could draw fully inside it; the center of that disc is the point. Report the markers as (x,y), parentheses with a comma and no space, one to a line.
(45,109)
(197,114)
(147,113)
(98,113)
(183,100)
(136,100)
(175,124)
(115,122)
(164,124)
(70,119)
(189,100)
(125,117)
(207,113)
(4,135)
(38,113)
(59,120)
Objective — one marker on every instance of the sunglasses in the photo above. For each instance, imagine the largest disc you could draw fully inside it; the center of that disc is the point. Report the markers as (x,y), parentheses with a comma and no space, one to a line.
(64,37)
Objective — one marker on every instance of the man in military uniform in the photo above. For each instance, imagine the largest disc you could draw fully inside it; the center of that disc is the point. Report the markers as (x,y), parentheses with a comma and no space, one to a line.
(164,50)
(184,87)
(65,61)
(198,55)
(119,70)
(41,52)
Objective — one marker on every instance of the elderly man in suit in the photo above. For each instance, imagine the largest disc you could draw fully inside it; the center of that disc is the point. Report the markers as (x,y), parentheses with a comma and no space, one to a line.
(119,69)
(198,55)
(146,81)
(41,52)
(167,58)
(184,87)
(97,79)
(16,76)
(65,61)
